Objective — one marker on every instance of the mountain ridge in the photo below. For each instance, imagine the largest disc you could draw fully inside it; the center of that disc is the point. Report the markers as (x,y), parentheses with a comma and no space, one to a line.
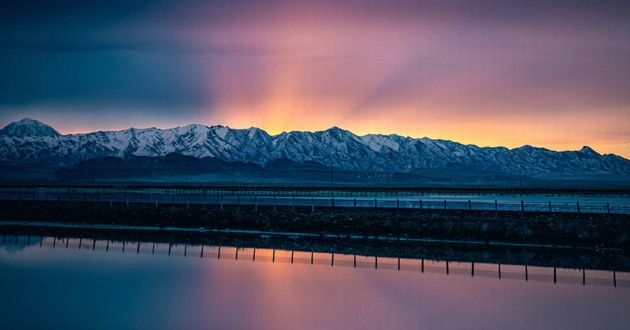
(34,143)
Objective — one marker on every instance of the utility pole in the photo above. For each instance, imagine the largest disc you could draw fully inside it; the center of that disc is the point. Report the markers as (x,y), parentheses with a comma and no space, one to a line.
(331,176)
(520,181)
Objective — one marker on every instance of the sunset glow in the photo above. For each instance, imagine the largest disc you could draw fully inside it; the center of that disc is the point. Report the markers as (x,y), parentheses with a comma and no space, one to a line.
(497,73)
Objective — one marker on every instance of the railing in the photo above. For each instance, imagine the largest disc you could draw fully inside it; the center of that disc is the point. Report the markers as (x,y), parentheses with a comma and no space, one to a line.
(267,199)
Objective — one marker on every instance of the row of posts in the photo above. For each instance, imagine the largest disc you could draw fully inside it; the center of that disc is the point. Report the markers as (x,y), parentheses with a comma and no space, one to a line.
(273,258)
(332,202)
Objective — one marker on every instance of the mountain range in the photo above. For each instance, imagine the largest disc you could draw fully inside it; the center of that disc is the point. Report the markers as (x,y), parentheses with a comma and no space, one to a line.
(28,143)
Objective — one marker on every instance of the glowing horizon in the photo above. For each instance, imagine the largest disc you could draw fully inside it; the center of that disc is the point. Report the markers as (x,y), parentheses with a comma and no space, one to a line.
(498,73)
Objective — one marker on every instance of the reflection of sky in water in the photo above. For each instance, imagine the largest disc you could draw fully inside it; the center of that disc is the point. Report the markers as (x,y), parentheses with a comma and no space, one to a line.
(45,287)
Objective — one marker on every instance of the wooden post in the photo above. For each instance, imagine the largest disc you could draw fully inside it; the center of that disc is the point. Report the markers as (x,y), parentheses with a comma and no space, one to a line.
(138,249)
(550,210)
(398,263)
(291,256)
(236,256)
(255,203)
(608,208)
(522,207)
(254,255)
(273,256)
(332,259)
(499,267)
(219,253)
(420,205)
(496,208)
(469,205)
(555,278)
(578,206)
(201,254)
(422,266)
(292,204)
(238,202)
(526,274)
(583,276)
(375,205)
(355,203)
(445,204)
(375,262)
(472,270)
(355,261)
(275,207)
(447,272)
(170,246)
(397,206)
(312,205)
(311,257)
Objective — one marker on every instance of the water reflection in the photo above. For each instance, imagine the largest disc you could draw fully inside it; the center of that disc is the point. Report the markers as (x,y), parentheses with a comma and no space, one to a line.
(14,243)
(82,282)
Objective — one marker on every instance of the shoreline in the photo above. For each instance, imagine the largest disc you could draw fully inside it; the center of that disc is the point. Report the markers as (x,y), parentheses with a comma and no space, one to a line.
(484,228)
(570,258)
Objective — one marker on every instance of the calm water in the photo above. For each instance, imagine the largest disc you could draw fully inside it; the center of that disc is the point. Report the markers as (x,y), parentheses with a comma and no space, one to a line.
(87,284)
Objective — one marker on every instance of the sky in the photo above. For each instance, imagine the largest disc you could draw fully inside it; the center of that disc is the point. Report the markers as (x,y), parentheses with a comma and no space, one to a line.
(553,74)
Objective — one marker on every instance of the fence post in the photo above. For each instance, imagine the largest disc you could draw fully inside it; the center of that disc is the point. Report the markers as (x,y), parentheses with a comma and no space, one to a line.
(550,210)
(420,205)
(397,206)
(312,205)
(275,203)
(496,208)
(469,205)
(578,207)
(522,208)
(255,203)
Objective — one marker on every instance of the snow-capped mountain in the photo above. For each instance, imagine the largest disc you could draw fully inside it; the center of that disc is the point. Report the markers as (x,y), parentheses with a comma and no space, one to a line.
(31,142)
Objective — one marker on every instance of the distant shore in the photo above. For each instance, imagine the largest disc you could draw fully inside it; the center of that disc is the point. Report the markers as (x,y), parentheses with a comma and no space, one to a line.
(588,231)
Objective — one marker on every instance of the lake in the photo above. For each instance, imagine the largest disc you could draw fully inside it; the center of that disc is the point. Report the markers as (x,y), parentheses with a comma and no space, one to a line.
(83,283)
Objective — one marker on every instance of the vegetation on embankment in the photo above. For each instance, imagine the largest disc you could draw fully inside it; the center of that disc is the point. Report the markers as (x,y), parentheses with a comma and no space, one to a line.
(579,230)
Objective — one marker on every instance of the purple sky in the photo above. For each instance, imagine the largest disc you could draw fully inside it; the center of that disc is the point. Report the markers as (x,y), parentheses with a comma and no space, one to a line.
(548,73)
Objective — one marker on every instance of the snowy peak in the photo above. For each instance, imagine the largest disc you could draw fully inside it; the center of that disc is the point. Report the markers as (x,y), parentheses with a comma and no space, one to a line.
(28,127)
(29,142)
(588,151)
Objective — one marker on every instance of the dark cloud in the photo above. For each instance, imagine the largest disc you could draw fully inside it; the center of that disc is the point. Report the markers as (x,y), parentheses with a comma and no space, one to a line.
(170,59)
